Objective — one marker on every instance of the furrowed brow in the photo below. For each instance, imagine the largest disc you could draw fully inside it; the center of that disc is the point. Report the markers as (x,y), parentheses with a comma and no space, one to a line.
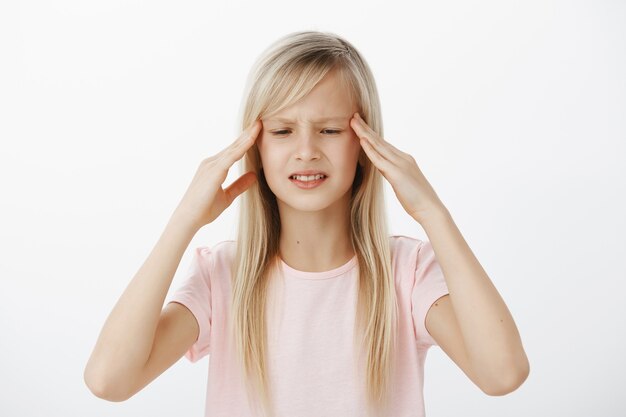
(320,120)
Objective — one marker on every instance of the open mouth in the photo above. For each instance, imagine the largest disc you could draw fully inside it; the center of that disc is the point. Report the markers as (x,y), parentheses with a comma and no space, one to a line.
(308,181)
(305,178)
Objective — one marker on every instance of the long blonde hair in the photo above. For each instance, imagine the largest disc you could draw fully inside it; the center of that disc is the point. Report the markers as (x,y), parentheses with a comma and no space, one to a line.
(287,71)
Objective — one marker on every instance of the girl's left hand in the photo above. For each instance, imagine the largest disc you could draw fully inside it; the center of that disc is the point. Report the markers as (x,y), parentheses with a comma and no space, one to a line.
(413,190)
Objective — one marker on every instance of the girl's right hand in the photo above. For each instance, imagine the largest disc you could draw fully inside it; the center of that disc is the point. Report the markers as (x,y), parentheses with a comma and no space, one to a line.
(205,199)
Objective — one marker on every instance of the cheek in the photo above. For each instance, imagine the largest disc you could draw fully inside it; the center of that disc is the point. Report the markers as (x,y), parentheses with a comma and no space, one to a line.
(271,158)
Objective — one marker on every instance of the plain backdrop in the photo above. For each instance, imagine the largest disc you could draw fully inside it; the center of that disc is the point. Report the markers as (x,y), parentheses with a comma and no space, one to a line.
(514,110)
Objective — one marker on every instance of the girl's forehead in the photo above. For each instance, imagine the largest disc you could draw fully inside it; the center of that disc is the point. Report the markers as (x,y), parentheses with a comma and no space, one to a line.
(310,119)
(328,101)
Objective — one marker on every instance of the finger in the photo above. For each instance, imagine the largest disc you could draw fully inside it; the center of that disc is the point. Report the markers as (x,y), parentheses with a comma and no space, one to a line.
(245,135)
(380,143)
(250,134)
(382,146)
(381,162)
(239,186)
(237,149)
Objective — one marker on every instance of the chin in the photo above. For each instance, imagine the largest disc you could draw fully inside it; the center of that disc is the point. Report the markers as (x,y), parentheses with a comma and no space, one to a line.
(306,204)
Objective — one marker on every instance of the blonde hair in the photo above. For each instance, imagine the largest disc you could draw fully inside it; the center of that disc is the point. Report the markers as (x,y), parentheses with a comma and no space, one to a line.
(287,71)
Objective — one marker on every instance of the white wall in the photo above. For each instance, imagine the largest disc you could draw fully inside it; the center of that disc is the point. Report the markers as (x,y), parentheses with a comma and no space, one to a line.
(514,111)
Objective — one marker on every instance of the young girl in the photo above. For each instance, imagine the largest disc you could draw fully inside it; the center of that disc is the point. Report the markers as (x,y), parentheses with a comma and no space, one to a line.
(314,310)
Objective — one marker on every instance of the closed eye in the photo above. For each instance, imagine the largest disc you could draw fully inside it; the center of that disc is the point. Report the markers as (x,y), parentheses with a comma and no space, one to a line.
(329,131)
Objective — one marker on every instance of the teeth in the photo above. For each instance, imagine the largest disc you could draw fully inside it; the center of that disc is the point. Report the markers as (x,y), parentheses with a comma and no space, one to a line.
(308,178)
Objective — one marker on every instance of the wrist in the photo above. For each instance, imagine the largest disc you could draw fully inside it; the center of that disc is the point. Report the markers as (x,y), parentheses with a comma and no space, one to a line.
(183,221)
(434,213)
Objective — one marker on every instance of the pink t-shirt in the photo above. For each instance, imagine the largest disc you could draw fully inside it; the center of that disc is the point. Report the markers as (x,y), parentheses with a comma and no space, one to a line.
(310,345)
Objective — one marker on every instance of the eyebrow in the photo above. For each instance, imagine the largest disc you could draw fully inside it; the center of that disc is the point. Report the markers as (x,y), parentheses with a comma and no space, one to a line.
(320,120)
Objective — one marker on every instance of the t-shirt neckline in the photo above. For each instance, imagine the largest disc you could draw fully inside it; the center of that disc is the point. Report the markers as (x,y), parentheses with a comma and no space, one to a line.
(292,272)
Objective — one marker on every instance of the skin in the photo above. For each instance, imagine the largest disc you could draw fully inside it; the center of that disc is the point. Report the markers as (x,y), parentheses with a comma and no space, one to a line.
(314,223)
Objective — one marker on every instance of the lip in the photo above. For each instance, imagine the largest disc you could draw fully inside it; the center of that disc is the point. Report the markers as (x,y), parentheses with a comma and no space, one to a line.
(307,185)
(308,172)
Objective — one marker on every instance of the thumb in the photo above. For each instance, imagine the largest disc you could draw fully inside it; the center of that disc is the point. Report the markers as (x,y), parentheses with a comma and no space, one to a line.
(240,185)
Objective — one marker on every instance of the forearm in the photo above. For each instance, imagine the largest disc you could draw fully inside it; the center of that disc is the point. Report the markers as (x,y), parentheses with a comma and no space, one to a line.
(491,337)
(126,339)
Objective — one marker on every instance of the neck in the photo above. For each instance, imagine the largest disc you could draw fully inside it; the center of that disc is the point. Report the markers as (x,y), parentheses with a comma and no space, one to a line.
(316,241)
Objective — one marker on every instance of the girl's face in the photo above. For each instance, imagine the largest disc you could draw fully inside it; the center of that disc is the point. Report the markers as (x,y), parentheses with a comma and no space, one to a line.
(312,134)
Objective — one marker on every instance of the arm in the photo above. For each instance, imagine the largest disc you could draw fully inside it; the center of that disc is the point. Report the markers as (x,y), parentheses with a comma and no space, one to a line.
(126,357)
(126,339)
(472,324)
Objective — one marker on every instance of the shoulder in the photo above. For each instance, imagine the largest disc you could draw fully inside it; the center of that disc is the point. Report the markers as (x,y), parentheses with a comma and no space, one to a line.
(216,256)
(404,240)
(404,253)
(225,247)
(404,248)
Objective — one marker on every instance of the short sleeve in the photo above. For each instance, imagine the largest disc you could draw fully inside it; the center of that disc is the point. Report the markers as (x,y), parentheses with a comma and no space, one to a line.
(195,294)
(429,286)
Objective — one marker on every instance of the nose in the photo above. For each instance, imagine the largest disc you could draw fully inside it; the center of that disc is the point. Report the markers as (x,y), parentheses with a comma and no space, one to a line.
(306,146)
